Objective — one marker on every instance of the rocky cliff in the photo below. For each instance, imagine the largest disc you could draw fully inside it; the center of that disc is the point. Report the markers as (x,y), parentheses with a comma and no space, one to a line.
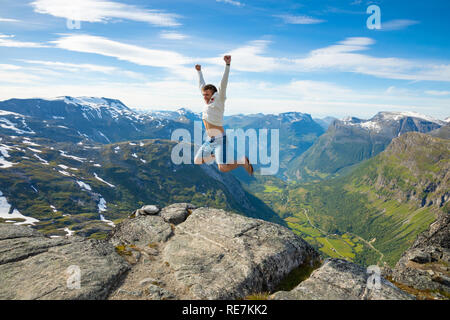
(177,252)
(425,266)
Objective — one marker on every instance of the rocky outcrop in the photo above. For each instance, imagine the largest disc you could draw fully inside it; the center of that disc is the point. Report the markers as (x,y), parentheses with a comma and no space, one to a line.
(342,280)
(36,267)
(177,252)
(213,254)
(426,265)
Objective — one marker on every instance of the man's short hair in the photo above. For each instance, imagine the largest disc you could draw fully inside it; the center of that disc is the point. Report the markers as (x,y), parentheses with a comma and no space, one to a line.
(210,87)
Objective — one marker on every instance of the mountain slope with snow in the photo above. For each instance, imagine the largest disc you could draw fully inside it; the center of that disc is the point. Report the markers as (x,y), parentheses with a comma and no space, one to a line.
(352,140)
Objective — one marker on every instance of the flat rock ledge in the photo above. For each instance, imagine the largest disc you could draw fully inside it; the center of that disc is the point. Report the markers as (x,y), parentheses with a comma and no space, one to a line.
(174,253)
(205,253)
(339,279)
(33,266)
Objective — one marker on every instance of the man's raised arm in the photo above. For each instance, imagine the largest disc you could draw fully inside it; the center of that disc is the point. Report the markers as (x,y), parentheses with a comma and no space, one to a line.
(223,84)
(201,81)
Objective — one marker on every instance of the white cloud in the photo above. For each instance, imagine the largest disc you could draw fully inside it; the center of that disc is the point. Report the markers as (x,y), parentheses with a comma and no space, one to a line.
(437,93)
(291,19)
(14,74)
(102,11)
(80,67)
(8,20)
(344,57)
(135,54)
(249,58)
(232,2)
(9,41)
(397,24)
(172,35)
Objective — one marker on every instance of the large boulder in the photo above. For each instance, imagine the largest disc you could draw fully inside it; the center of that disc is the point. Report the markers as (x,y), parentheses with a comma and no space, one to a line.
(33,266)
(213,254)
(339,279)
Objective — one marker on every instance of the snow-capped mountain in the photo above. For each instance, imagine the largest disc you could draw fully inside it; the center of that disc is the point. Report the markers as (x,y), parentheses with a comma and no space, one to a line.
(399,122)
(76,118)
(181,115)
(352,140)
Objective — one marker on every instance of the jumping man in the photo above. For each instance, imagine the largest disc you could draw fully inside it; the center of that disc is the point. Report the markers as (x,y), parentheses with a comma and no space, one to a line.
(215,146)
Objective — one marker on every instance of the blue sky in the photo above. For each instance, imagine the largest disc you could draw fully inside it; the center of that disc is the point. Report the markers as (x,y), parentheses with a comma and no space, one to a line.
(311,56)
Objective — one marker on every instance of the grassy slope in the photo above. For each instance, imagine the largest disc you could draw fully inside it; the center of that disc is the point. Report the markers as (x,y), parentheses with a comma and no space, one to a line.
(370,203)
(157,181)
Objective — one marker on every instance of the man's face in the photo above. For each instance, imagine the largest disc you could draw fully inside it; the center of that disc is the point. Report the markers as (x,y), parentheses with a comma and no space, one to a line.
(207,94)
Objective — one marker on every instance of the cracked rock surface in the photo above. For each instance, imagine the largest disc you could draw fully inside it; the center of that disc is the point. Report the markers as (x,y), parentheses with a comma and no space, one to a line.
(33,266)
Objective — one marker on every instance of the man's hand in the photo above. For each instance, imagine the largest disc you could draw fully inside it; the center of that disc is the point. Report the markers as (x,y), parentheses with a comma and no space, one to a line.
(198,67)
(227,59)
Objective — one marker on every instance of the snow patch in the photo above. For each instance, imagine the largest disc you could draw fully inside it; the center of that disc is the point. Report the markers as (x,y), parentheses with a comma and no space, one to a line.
(40,159)
(100,179)
(64,154)
(64,173)
(109,222)
(34,150)
(84,185)
(69,232)
(5,208)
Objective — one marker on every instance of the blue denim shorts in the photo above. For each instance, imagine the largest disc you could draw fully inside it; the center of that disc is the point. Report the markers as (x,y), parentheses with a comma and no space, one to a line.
(216,146)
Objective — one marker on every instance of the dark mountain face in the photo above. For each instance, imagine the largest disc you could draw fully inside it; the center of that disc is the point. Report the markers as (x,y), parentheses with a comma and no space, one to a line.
(79,162)
(351,140)
(97,119)
(325,122)
(297,132)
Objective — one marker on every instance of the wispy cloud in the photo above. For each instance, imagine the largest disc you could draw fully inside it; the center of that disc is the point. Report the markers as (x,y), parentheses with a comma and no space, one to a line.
(346,57)
(171,60)
(172,35)
(437,93)
(232,2)
(302,19)
(9,41)
(249,58)
(83,67)
(102,11)
(122,51)
(8,20)
(397,24)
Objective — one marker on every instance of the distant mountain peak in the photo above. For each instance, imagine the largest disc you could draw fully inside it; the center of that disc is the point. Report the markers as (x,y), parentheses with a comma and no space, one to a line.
(352,119)
(94,102)
(385,115)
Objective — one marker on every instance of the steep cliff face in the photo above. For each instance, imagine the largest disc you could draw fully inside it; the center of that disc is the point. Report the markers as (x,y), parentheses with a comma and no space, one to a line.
(178,252)
(416,167)
(426,265)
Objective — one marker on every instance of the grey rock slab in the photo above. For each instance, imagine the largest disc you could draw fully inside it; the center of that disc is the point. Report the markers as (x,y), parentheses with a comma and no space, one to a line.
(50,269)
(339,279)
(176,213)
(8,231)
(141,231)
(150,209)
(223,255)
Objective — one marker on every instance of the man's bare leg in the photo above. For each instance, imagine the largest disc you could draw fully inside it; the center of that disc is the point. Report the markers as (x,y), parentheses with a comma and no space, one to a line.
(226,167)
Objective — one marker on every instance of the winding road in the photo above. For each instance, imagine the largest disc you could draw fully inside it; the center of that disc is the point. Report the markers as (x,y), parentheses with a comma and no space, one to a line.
(355,235)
